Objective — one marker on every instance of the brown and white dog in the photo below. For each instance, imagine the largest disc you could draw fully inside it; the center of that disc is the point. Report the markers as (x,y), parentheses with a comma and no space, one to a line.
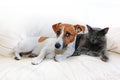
(60,47)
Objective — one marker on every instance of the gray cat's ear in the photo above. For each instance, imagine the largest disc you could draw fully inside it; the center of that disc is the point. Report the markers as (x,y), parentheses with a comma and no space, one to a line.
(89,28)
(104,31)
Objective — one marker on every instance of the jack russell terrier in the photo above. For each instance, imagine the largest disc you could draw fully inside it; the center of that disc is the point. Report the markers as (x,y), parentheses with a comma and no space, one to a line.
(60,47)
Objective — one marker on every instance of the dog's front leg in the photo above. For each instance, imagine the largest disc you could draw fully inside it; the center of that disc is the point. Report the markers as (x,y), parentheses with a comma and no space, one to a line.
(65,55)
(60,57)
(40,57)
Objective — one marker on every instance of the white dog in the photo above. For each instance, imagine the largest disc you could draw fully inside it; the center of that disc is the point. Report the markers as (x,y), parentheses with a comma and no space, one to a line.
(60,47)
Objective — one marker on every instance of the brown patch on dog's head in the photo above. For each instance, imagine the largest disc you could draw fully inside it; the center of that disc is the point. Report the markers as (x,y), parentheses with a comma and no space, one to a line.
(67,32)
(57,28)
(41,39)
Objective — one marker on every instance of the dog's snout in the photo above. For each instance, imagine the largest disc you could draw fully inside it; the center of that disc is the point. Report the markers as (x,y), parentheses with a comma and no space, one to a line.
(57,45)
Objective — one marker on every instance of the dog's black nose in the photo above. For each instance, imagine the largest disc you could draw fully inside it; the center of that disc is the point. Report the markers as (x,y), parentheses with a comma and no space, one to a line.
(57,45)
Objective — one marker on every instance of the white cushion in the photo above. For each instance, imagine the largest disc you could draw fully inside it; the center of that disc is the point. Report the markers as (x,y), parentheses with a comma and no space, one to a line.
(113,38)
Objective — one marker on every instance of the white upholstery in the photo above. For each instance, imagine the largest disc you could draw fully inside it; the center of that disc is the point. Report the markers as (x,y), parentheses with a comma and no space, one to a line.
(75,68)
(35,17)
(114,39)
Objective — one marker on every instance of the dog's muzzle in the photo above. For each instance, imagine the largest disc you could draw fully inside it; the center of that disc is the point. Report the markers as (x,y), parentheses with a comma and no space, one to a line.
(57,45)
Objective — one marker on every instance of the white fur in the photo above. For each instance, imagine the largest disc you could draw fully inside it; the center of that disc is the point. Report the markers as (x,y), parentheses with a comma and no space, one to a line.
(25,45)
(45,49)
(59,39)
(48,49)
(67,53)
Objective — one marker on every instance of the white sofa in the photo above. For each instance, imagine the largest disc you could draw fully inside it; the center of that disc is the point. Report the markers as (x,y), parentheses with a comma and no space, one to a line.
(75,68)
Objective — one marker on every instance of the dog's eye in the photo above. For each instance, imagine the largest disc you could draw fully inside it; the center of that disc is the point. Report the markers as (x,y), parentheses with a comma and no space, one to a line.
(58,32)
(67,35)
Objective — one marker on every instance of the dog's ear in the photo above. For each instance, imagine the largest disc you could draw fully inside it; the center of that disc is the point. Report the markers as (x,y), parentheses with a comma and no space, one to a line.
(55,26)
(79,28)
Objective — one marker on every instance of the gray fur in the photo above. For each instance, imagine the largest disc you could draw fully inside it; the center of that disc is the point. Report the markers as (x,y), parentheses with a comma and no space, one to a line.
(92,43)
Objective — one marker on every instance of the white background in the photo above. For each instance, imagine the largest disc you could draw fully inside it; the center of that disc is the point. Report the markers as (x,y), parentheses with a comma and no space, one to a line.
(33,17)
(16,14)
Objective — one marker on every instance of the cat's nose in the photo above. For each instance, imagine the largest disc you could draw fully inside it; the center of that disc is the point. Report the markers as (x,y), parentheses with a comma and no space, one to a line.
(93,41)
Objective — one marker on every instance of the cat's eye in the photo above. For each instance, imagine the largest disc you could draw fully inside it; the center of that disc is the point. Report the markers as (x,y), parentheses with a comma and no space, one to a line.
(67,34)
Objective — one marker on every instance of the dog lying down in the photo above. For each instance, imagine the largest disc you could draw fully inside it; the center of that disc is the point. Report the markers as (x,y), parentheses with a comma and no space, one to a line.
(58,48)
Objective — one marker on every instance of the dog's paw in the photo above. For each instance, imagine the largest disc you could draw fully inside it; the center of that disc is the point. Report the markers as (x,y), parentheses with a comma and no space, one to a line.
(36,61)
(59,58)
(17,58)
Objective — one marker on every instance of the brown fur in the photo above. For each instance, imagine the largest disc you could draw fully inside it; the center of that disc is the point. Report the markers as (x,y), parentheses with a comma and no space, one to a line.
(72,32)
(72,29)
(41,39)
(80,28)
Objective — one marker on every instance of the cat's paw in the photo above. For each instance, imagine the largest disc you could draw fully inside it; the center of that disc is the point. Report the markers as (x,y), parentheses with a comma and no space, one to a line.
(104,58)
(95,54)
(36,61)
(76,53)
(91,53)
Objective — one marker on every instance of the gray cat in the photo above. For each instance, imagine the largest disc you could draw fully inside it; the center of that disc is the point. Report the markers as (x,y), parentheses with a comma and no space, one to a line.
(92,43)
